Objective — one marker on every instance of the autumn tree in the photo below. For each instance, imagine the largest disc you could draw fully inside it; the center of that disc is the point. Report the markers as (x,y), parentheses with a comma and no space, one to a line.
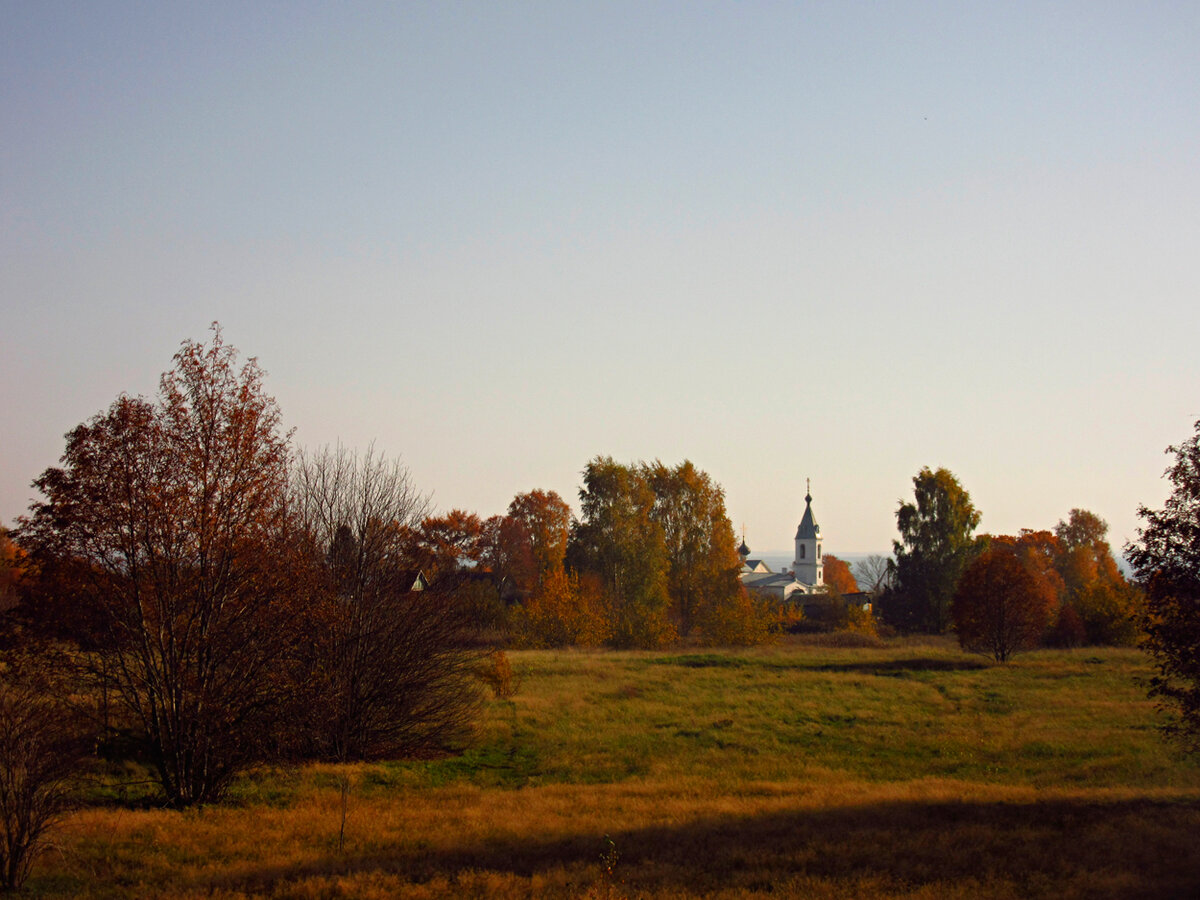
(176,512)
(1093,585)
(838,575)
(702,557)
(545,520)
(527,546)
(618,541)
(1081,528)
(567,609)
(389,671)
(440,546)
(999,606)
(556,607)
(743,620)
(1166,559)
(506,555)
(12,563)
(935,546)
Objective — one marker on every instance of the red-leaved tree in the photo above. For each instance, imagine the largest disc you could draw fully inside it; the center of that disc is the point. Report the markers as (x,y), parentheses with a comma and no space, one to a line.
(1000,607)
(174,515)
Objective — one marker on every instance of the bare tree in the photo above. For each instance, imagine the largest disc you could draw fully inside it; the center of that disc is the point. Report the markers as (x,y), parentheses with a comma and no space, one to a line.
(391,671)
(873,574)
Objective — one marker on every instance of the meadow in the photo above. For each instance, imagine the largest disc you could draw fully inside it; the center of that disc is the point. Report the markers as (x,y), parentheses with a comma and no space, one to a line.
(905,770)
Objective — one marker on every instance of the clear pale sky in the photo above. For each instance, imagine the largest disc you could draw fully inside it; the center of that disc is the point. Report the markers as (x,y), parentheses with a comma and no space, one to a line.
(829,240)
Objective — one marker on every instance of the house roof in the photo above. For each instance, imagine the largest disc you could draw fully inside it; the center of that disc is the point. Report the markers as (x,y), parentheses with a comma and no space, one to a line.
(765,579)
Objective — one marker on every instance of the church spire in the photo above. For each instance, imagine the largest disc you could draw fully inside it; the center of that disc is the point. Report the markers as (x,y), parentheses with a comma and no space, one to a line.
(808,566)
(809,529)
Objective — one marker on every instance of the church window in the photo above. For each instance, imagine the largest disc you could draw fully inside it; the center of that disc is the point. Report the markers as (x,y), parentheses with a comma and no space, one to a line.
(818,551)
(802,551)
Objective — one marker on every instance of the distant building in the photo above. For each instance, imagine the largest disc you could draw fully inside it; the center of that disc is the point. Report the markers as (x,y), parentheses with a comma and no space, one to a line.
(807,575)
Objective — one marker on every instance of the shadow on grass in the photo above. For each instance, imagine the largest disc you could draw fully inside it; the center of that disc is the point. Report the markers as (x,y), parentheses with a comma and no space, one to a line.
(868,667)
(1060,848)
(899,666)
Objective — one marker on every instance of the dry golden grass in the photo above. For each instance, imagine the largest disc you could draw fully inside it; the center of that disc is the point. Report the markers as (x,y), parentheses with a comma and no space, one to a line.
(815,772)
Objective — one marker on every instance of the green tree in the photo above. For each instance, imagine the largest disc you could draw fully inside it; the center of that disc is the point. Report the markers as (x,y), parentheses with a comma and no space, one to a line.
(177,511)
(1082,528)
(620,542)
(1166,558)
(935,546)
(703,561)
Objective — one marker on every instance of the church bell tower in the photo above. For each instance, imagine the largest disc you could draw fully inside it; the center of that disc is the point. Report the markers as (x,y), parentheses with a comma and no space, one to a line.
(808,565)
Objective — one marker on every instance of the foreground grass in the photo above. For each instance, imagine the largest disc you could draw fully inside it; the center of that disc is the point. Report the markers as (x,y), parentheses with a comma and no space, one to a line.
(910,771)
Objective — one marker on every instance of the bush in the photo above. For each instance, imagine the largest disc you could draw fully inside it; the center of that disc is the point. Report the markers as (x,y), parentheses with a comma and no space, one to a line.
(497,673)
(40,746)
(742,621)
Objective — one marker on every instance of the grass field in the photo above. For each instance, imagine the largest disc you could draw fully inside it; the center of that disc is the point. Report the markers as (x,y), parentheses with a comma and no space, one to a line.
(908,771)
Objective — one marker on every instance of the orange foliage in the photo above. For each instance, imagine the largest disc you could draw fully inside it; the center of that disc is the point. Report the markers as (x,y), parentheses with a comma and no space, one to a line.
(546,520)
(1001,607)
(838,575)
(440,544)
(746,619)
(1040,553)
(566,610)
(12,564)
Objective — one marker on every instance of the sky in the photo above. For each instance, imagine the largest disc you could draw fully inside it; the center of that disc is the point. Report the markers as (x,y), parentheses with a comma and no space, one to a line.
(786,241)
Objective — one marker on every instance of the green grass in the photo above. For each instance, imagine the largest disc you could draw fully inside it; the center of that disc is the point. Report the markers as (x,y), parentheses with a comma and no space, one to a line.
(770,714)
(912,770)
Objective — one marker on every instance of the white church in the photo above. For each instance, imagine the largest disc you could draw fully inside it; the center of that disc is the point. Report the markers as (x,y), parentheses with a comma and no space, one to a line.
(807,574)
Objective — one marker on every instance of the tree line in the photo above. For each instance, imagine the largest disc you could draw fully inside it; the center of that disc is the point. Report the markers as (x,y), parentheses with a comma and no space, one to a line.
(650,560)
(1002,593)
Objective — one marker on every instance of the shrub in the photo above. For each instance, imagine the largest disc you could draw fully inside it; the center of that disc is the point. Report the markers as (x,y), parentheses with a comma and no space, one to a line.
(742,621)
(40,747)
(497,673)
